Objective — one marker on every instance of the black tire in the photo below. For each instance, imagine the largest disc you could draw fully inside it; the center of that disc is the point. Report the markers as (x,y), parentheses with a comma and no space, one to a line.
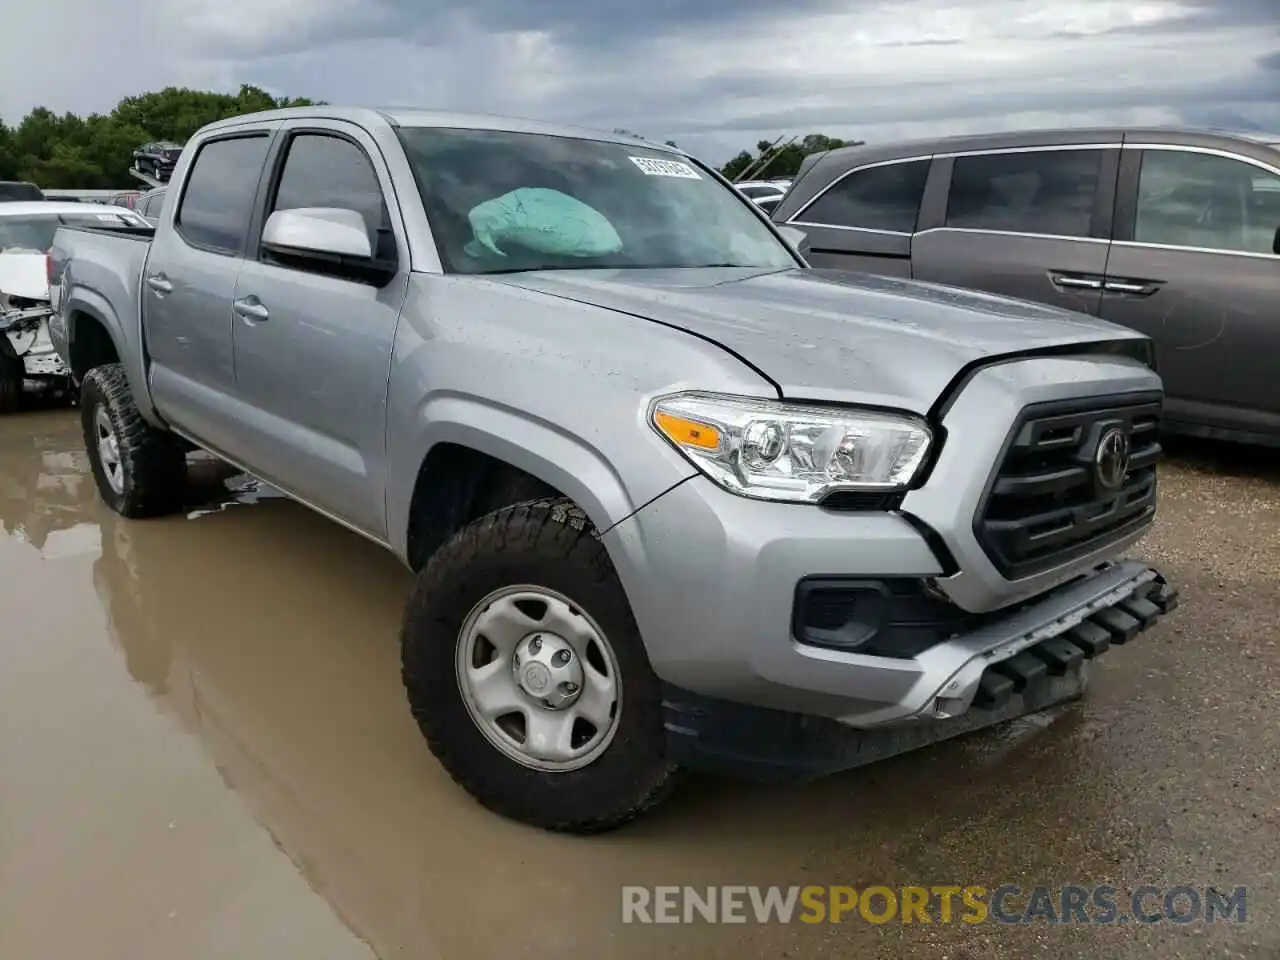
(12,377)
(153,464)
(547,543)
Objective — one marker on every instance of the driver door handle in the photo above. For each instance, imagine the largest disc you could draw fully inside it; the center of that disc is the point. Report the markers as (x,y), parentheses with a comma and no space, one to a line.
(159,283)
(251,308)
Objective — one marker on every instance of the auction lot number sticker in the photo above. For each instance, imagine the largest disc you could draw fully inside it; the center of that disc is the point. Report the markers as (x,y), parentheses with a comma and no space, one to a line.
(653,167)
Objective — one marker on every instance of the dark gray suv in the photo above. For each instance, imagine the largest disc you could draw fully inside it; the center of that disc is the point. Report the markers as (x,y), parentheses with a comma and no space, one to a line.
(1172,232)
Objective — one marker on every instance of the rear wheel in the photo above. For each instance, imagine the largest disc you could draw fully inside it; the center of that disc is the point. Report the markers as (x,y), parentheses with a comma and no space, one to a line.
(526,673)
(140,471)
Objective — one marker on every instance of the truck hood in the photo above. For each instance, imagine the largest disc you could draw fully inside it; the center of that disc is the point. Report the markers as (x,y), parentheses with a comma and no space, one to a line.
(834,336)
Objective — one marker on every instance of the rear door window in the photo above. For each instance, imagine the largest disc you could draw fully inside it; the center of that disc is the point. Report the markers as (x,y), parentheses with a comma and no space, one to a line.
(218,199)
(885,198)
(1047,192)
(1188,199)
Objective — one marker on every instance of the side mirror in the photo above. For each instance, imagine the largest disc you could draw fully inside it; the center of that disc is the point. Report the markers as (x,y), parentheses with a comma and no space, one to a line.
(329,240)
(797,238)
(328,231)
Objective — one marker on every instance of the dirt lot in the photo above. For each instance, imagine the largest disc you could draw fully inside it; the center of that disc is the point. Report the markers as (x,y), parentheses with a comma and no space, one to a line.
(205,752)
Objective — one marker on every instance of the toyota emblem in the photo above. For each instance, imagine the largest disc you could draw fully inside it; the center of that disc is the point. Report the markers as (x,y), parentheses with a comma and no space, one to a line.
(1111,461)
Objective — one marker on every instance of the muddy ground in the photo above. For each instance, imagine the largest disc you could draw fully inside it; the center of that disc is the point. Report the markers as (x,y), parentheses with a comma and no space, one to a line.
(205,752)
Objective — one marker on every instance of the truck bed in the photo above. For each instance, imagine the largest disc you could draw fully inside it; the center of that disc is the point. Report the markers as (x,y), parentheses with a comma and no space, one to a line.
(98,270)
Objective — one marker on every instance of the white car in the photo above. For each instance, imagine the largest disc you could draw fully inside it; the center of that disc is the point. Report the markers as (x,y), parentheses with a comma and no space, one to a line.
(27,356)
(765,194)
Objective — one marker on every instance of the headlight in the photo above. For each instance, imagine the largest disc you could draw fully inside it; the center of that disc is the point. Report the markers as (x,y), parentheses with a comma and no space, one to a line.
(783,451)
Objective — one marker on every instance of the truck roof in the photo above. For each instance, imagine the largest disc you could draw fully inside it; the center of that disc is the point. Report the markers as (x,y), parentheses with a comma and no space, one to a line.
(414,117)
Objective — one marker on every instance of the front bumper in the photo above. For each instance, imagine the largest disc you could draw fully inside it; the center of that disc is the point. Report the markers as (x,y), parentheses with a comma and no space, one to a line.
(771,745)
(712,577)
(718,620)
(34,345)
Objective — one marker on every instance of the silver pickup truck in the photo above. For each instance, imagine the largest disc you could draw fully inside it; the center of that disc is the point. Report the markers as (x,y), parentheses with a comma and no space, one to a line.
(674,498)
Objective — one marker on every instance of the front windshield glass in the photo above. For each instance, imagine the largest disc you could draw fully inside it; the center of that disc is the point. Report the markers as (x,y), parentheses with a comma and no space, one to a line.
(501,202)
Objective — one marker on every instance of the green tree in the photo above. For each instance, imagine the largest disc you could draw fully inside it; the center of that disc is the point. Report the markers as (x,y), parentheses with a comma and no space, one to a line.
(784,160)
(95,152)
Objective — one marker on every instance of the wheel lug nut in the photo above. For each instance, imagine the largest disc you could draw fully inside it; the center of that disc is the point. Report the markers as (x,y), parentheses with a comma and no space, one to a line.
(563,657)
(570,687)
(535,644)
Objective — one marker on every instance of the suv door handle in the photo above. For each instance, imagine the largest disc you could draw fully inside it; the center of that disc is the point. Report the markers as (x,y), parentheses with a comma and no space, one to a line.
(1076,282)
(1135,288)
(251,308)
(159,283)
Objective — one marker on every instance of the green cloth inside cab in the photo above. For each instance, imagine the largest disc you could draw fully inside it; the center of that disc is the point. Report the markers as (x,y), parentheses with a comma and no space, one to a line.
(544,220)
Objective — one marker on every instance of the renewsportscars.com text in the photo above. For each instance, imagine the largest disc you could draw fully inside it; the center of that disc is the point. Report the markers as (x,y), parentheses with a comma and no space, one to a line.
(1008,903)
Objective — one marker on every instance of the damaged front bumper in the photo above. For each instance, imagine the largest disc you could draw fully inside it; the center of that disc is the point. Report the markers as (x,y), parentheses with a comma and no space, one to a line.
(1037,656)
(27,333)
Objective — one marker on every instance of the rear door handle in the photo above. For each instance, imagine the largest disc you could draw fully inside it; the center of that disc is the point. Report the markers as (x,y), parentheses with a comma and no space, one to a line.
(159,283)
(1135,288)
(1076,282)
(251,308)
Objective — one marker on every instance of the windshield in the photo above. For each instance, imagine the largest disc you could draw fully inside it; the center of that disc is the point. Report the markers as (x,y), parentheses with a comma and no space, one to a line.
(501,202)
(33,233)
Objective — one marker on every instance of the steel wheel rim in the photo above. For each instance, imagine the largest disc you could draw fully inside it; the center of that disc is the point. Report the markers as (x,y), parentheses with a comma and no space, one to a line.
(496,662)
(108,449)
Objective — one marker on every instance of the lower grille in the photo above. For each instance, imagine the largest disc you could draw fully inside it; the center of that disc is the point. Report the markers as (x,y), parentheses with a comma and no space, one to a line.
(1057,496)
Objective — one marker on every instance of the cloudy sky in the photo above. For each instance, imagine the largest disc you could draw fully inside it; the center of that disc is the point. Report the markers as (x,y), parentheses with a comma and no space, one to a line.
(714,75)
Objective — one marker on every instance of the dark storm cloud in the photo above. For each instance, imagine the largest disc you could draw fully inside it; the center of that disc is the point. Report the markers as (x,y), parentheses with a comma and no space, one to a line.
(718,74)
(907,102)
(596,23)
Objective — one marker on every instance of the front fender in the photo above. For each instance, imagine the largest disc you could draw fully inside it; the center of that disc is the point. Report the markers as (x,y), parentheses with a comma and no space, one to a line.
(568,463)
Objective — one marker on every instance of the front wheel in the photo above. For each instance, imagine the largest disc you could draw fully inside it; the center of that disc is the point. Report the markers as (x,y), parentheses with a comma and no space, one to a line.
(140,471)
(527,675)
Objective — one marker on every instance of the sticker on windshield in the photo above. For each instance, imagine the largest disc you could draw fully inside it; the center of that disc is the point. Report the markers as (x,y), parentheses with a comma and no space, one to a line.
(653,167)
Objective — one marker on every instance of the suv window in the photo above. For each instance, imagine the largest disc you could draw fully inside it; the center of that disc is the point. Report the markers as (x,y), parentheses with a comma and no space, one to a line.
(218,198)
(1039,191)
(1190,199)
(877,198)
(327,171)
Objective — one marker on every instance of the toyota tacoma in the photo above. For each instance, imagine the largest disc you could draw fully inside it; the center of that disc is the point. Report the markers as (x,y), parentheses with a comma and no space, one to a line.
(673,498)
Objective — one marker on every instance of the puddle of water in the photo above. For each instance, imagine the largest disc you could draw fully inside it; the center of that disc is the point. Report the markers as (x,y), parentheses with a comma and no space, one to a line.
(205,752)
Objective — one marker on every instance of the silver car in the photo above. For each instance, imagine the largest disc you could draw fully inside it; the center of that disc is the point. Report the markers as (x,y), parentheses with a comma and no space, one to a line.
(673,498)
